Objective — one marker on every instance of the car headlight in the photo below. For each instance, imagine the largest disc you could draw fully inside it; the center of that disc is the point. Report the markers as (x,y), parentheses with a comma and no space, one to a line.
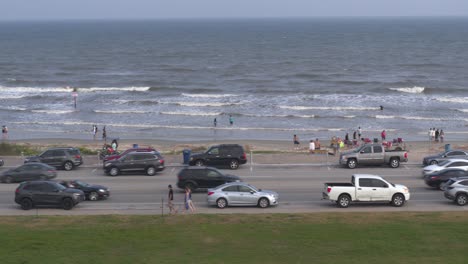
(107,164)
(76,194)
(405,190)
(191,158)
(101,190)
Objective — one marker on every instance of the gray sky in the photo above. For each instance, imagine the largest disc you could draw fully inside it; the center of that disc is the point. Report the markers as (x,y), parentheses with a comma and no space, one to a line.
(159,9)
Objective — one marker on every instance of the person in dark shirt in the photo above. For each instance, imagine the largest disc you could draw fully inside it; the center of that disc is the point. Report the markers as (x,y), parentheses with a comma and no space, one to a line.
(170,201)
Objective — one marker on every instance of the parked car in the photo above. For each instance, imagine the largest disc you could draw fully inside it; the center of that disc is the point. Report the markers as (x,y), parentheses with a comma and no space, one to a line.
(451,154)
(456,189)
(203,177)
(241,194)
(65,157)
(231,155)
(365,188)
(117,156)
(438,179)
(373,154)
(92,192)
(29,172)
(47,193)
(147,162)
(446,164)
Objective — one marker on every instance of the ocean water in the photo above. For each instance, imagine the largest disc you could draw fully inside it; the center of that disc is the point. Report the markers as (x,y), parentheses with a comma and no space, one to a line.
(169,79)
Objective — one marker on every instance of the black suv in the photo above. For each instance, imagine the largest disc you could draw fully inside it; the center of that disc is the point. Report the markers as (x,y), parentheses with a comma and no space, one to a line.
(203,177)
(47,193)
(148,162)
(66,158)
(220,155)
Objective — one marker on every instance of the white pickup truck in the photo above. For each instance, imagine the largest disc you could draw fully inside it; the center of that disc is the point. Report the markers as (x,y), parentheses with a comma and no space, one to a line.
(365,188)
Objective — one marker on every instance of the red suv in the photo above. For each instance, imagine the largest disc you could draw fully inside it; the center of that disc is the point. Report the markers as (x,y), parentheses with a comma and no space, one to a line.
(117,156)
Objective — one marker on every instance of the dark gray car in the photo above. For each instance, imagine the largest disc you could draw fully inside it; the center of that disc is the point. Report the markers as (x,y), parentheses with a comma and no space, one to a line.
(29,172)
(147,162)
(47,193)
(65,157)
(451,154)
(203,177)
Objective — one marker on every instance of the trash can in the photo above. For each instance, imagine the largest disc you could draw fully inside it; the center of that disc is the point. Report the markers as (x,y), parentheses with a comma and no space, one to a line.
(186,154)
(135,145)
(447,147)
(376,140)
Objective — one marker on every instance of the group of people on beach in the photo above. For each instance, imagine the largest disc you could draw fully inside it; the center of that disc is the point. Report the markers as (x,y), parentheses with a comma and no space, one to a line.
(188,202)
(436,135)
(104,133)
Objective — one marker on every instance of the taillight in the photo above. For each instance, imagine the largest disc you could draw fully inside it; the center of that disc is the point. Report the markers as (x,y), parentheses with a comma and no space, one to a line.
(329,189)
(162,161)
(17,190)
(210,193)
(77,157)
(244,156)
(406,155)
(433,177)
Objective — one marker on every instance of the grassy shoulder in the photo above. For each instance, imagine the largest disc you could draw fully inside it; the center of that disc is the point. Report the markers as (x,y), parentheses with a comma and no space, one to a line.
(264,238)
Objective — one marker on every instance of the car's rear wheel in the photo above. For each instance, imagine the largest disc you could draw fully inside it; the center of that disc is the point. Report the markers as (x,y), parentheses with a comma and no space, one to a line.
(263,202)
(343,201)
(461,199)
(221,203)
(398,200)
(67,203)
(433,162)
(352,163)
(114,171)
(93,196)
(68,166)
(8,179)
(26,204)
(394,163)
(199,163)
(234,164)
(150,171)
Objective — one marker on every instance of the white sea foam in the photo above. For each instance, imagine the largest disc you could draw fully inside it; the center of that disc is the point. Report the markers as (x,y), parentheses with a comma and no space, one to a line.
(414,90)
(409,118)
(127,89)
(338,108)
(122,111)
(11,97)
(29,90)
(192,113)
(13,108)
(54,112)
(209,95)
(385,117)
(462,100)
(205,104)
(462,110)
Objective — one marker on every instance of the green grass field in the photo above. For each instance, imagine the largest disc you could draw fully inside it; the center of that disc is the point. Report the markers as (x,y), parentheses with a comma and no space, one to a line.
(264,238)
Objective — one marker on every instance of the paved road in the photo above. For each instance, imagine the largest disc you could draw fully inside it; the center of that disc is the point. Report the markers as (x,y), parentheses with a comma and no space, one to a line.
(299,188)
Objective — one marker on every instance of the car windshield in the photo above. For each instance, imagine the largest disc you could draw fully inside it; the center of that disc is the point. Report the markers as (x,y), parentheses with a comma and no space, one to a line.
(255,189)
(449,182)
(445,162)
(83,184)
(60,187)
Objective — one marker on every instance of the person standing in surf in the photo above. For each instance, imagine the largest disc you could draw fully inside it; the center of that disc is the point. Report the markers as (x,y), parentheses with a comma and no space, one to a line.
(231,120)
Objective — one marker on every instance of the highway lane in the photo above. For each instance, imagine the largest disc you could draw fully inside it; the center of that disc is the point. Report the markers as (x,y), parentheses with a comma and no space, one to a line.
(299,187)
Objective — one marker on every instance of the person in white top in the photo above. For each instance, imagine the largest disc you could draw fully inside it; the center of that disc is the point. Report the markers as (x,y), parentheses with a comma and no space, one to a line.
(311,147)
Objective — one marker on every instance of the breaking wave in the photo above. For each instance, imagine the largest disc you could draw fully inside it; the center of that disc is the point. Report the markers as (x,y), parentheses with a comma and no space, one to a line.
(54,112)
(209,95)
(122,112)
(338,108)
(462,100)
(414,90)
(205,104)
(192,113)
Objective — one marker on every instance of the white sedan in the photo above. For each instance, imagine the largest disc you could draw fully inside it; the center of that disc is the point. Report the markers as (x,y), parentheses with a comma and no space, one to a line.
(451,163)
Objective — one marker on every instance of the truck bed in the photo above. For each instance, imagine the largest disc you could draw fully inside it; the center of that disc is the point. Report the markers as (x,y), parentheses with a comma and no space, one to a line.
(343,184)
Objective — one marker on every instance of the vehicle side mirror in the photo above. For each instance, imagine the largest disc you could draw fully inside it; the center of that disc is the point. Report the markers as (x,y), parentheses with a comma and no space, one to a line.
(252,192)
(385,186)
(259,190)
(209,153)
(56,190)
(362,152)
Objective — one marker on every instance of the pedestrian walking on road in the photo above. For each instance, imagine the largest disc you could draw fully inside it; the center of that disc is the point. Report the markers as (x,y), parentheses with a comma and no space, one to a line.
(170,200)
(188,201)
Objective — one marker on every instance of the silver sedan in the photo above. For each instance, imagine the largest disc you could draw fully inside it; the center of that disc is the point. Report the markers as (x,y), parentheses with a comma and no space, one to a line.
(240,194)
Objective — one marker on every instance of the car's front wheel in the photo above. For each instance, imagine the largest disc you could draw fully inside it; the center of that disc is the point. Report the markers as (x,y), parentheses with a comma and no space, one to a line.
(234,164)
(263,202)
(433,162)
(199,163)
(461,199)
(67,203)
(26,204)
(150,171)
(114,171)
(221,203)
(68,166)
(398,200)
(93,196)
(190,185)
